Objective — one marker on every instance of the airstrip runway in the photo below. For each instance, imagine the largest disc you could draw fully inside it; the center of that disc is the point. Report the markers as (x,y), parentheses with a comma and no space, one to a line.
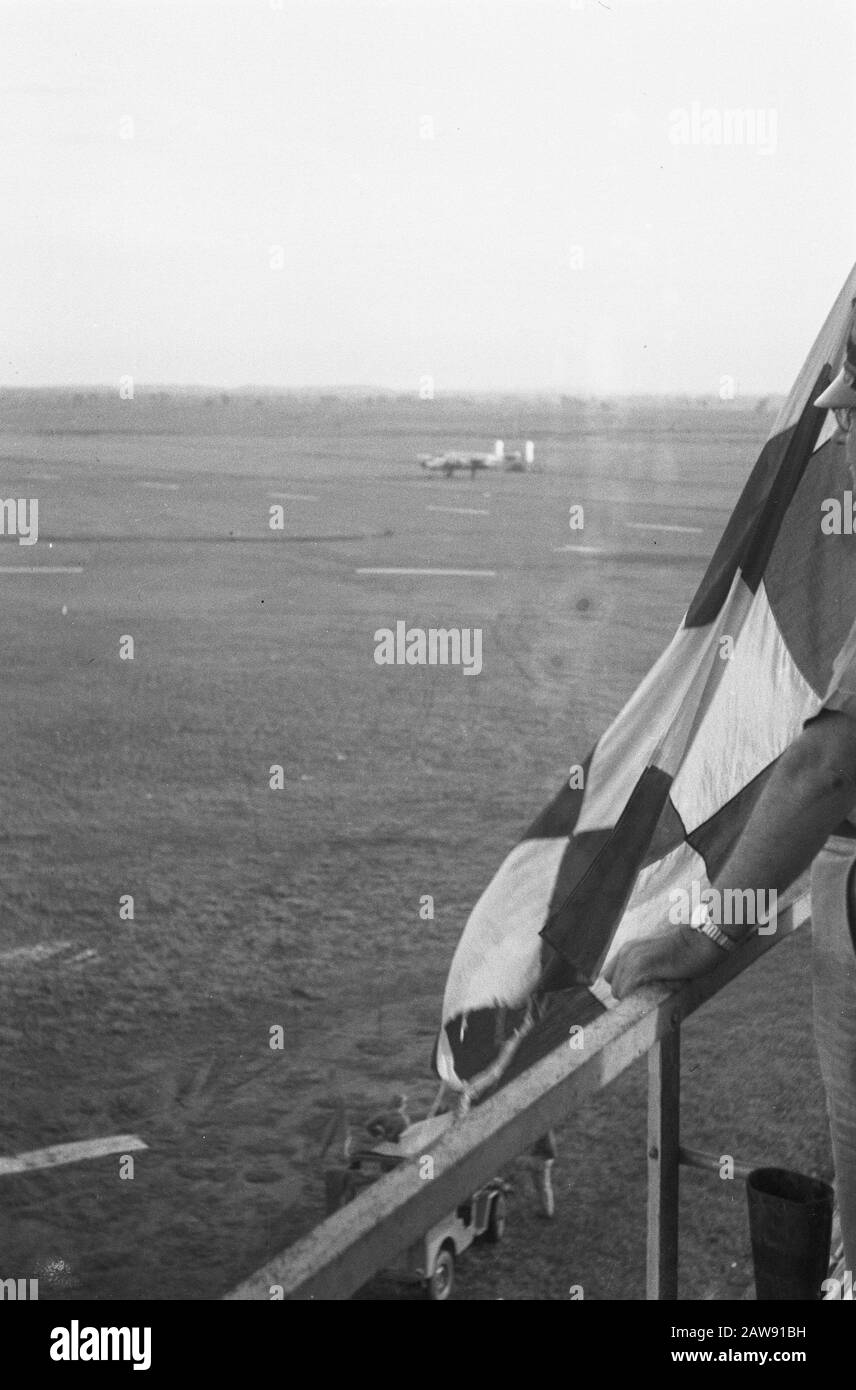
(298,908)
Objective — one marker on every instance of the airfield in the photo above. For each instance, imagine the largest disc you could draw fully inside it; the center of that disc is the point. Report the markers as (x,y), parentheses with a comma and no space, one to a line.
(299,908)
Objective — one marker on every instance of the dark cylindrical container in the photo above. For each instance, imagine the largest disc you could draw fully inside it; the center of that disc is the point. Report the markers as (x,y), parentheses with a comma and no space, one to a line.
(790,1222)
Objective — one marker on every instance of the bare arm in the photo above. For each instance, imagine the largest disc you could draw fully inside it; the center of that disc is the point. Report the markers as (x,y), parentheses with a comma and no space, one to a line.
(811,789)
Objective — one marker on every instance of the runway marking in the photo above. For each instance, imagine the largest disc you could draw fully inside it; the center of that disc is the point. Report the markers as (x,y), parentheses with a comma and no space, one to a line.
(459,574)
(164,487)
(58,1154)
(295,496)
(661,526)
(82,957)
(41,569)
(44,950)
(231,539)
(579,549)
(41,951)
(461,511)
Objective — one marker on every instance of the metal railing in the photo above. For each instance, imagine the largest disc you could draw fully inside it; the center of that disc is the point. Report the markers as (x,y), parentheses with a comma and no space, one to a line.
(345,1251)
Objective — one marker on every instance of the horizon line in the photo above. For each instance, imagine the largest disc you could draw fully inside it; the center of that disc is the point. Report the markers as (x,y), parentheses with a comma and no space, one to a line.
(144,388)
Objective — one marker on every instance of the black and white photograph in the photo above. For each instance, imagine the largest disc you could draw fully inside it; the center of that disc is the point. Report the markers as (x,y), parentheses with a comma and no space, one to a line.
(428,619)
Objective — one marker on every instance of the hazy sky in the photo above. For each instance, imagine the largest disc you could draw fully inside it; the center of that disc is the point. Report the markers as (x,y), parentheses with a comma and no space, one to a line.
(493,194)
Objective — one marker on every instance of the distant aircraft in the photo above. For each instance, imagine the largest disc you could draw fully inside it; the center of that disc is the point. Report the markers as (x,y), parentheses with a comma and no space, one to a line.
(457,459)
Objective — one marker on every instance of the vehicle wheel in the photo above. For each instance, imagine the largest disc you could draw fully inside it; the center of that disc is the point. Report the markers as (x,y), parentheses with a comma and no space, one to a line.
(442,1279)
(498,1216)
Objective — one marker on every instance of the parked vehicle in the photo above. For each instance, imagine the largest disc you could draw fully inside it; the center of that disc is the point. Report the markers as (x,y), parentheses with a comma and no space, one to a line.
(431,1260)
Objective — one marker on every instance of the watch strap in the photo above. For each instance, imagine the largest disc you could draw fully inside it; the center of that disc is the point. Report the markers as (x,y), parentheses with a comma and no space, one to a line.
(702,921)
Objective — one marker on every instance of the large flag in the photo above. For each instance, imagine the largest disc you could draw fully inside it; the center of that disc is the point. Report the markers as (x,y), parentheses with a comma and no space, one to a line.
(669,786)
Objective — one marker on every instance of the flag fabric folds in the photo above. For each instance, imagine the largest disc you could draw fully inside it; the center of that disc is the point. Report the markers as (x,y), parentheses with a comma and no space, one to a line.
(670,784)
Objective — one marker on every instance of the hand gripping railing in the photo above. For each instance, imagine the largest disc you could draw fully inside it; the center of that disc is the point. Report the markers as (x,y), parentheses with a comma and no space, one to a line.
(343,1252)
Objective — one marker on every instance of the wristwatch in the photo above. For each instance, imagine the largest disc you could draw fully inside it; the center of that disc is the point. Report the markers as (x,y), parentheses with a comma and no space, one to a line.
(702,921)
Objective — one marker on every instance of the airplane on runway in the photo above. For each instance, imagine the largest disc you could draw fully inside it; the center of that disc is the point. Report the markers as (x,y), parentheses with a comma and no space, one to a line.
(458,460)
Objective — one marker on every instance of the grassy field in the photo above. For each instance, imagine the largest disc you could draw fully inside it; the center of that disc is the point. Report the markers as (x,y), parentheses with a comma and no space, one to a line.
(299,907)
